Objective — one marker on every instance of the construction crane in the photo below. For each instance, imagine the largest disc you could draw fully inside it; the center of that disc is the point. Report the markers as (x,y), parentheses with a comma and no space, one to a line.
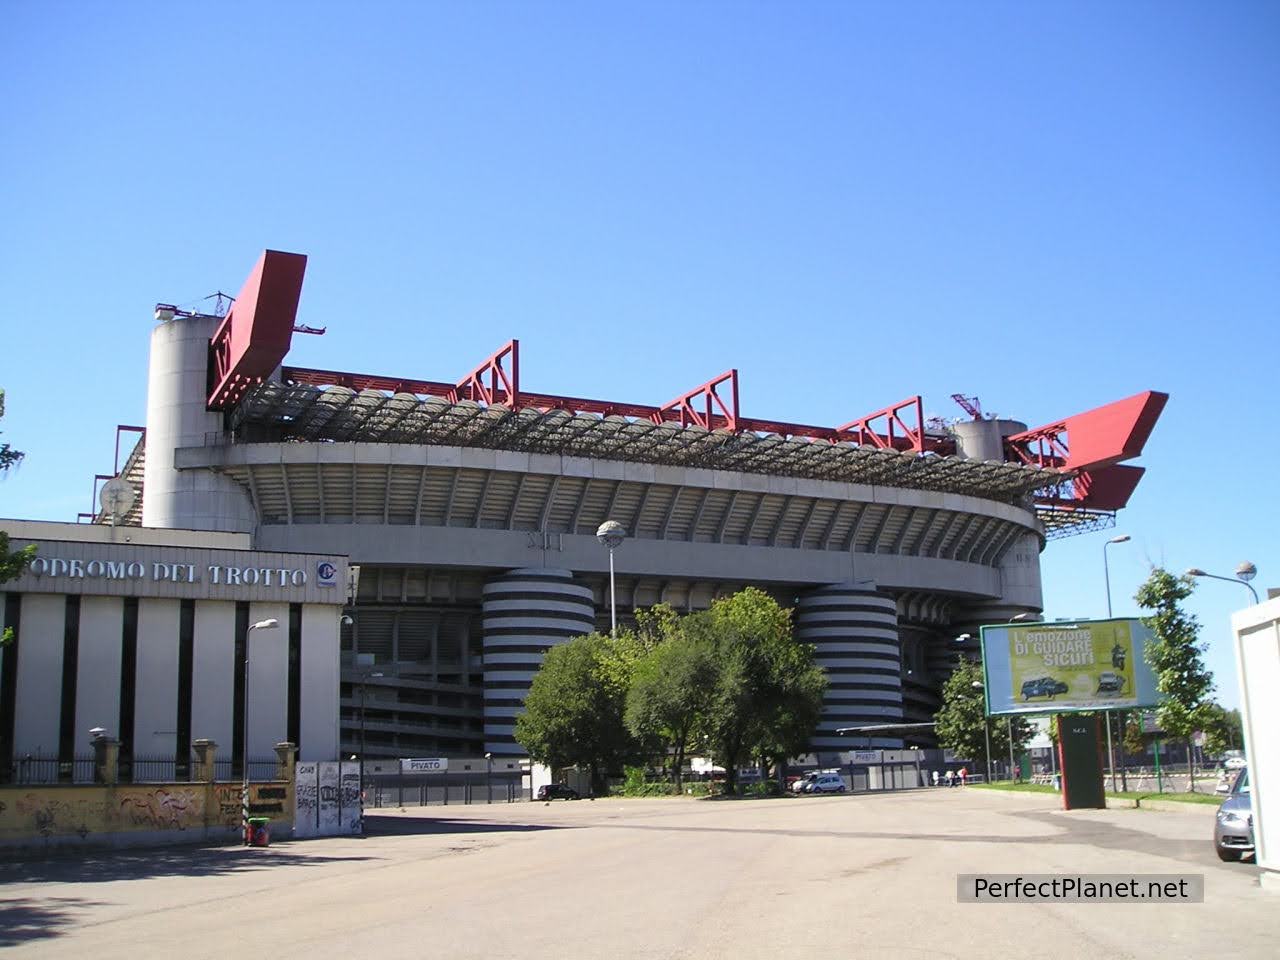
(971,405)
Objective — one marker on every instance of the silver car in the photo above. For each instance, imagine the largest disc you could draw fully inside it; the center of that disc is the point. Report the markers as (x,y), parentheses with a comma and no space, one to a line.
(1233,831)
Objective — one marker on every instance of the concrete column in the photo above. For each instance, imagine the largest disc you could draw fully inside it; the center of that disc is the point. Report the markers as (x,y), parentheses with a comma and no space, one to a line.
(854,631)
(526,612)
(286,760)
(984,439)
(206,752)
(176,417)
(106,760)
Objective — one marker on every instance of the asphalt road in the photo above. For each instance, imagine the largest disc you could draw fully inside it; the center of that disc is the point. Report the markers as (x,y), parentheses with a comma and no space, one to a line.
(864,876)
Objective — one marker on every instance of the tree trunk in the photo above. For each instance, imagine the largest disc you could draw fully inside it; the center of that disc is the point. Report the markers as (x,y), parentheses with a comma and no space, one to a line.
(1191,766)
(679,765)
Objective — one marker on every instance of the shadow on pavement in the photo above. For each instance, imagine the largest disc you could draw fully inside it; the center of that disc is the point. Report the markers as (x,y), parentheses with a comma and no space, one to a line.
(166,862)
(376,825)
(37,918)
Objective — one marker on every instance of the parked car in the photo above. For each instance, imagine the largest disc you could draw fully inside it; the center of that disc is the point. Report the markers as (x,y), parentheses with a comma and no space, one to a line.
(802,784)
(557,791)
(1043,687)
(827,783)
(1111,682)
(1233,829)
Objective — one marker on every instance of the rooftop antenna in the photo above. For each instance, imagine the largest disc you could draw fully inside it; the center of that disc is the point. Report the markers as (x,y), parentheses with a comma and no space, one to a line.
(117,498)
(221,303)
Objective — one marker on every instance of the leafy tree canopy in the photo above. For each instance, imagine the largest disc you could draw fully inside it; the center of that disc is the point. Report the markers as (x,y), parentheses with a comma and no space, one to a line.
(962,724)
(1175,654)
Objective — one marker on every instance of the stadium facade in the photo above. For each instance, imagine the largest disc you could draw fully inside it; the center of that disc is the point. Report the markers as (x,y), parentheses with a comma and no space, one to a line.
(468,508)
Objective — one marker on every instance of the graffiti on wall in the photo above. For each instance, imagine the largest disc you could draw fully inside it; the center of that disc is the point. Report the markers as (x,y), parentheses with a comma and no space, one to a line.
(48,813)
(162,808)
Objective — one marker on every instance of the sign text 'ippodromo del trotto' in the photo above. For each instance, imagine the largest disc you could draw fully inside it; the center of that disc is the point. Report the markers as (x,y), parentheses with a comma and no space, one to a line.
(161,572)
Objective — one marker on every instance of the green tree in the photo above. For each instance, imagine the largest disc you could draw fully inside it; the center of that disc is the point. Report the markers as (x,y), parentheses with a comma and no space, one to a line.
(962,723)
(1135,741)
(574,711)
(1174,653)
(668,688)
(12,563)
(767,694)
(1225,731)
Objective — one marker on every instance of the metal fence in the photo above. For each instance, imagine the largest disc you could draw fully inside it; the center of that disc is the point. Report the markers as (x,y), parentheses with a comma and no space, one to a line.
(381,790)
(37,769)
(33,769)
(261,769)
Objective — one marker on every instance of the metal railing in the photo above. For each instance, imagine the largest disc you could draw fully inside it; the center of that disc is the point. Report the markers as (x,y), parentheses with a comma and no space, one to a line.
(33,769)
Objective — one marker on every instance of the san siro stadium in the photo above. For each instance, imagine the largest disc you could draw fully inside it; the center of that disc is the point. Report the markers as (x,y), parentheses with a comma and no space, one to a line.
(469,507)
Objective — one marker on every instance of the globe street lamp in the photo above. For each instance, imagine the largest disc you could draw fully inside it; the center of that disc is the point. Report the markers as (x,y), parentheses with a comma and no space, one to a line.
(269,624)
(1106,714)
(611,533)
(1244,573)
(364,679)
(986,726)
(1106,571)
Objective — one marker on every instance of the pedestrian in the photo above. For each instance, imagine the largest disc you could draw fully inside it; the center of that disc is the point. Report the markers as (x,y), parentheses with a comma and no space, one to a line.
(951,778)
(964,773)
(936,778)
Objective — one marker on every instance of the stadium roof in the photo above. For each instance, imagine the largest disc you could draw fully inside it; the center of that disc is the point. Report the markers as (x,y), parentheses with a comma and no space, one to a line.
(303,411)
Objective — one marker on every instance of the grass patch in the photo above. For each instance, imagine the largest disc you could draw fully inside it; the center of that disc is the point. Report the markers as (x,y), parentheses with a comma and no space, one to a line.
(1213,798)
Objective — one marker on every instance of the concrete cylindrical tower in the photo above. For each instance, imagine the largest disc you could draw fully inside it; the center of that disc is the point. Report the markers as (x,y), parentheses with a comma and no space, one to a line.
(177,385)
(984,439)
(854,631)
(526,612)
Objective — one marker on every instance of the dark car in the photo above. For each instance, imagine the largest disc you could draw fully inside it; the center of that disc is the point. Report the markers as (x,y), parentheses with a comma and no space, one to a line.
(1043,687)
(1233,830)
(1111,682)
(557,791)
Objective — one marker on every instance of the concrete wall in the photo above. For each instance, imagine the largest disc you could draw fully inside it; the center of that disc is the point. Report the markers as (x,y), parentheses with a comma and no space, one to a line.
(36,717)
(213,671)
(267,681)
(35,819)
(98,680)
(318,736)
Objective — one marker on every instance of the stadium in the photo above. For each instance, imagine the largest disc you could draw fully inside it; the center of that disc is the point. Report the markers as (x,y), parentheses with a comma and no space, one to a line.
(469,508)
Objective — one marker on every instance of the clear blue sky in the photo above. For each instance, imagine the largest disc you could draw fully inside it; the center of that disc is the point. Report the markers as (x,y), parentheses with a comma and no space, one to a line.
(1048,205)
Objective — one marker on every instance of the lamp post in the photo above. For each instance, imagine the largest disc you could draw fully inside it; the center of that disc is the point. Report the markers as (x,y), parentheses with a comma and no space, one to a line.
(1244,573)
(1106,714)
(986,725)
(269,624)
(364,678)
(611,533)
(488,778)
(1106,570)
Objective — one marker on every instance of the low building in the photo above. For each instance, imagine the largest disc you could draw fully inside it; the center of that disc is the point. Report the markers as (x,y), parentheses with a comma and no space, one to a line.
(157,637)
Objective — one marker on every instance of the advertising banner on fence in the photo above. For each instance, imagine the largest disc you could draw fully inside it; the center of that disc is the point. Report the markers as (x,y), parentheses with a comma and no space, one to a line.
(1068,666)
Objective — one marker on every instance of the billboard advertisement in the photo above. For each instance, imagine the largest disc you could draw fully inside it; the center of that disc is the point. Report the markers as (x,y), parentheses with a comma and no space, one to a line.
(1067,666)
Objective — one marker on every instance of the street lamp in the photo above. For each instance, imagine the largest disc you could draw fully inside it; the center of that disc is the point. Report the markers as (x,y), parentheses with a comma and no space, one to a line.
(364,678)
(1025,618)
(1244,573)
(986,726)
(611,533)
(488,778)
(269,624)
(1106,714)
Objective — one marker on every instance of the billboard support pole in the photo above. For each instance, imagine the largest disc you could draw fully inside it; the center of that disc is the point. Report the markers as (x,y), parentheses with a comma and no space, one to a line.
(1012,766)
(1111,753)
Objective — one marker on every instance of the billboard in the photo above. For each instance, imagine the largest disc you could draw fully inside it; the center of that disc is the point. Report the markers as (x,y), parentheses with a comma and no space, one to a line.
(1067,666)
